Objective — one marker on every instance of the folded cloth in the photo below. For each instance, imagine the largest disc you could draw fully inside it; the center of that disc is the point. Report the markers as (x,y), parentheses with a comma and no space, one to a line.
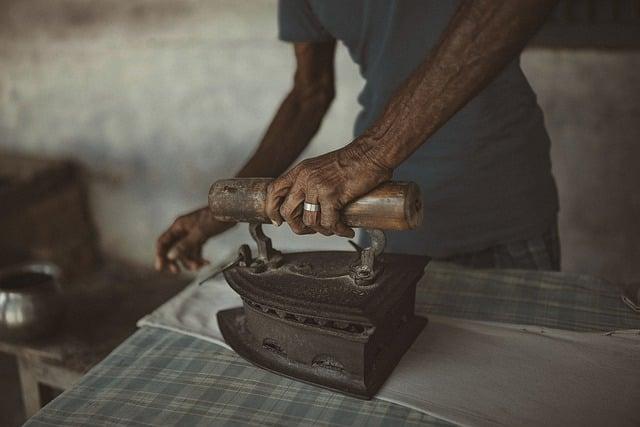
(193,311)
(477,373)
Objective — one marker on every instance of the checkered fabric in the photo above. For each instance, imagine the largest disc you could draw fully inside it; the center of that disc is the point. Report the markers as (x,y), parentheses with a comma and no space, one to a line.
(158,377)
(537,253)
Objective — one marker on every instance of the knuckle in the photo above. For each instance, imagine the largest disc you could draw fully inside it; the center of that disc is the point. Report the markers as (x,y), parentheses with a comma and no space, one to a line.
(328,223)
(323,230)
(329,220)
(326,194)
(180,248)
(293,173)
(296,188)
(178,223)
(286,211)
(313,178)
(288,216)
(318,183)
(304,173)
(298,228)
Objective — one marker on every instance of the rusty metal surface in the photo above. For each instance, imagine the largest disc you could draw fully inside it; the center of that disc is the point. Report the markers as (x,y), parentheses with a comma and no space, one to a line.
(340,320)
(321,284)
(346,366)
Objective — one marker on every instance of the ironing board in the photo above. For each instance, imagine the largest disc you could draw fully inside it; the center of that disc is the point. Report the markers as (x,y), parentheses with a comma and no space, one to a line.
(158,377)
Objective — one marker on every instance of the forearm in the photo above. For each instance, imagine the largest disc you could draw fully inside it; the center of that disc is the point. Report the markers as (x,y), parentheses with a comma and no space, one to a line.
(481,39)
(294,125)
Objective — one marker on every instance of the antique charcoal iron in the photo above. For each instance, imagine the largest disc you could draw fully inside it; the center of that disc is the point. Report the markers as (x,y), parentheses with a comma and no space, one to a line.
(340,320)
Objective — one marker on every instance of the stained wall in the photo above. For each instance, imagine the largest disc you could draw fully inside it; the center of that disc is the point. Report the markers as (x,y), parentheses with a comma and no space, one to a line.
(159,98)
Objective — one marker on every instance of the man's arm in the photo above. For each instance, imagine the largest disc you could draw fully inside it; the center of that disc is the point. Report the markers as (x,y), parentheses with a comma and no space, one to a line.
(481,39)
(301,113)
(292,128)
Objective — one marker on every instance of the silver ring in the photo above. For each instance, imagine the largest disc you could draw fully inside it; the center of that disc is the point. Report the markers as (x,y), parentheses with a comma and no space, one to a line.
(311,207)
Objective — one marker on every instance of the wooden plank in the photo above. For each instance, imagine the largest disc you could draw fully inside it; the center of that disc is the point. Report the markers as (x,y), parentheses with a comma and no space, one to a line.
(103,308)
(29,386)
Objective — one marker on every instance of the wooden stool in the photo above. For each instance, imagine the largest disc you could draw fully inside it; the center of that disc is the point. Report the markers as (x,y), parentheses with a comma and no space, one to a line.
(102,310)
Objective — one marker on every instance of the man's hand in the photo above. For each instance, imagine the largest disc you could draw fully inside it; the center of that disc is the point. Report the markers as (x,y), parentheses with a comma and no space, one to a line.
(182,242)
(331,181)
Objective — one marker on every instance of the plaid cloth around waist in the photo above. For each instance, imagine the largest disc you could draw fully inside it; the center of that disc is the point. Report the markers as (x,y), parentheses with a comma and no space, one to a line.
(158,377)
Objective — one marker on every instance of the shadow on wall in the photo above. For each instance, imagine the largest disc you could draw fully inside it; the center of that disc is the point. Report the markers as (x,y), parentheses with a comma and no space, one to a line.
(160,98)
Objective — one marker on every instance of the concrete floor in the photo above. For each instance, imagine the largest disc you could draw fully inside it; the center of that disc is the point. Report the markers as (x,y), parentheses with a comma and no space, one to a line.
(11,413)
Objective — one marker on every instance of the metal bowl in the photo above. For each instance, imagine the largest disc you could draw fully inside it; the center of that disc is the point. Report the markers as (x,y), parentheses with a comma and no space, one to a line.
(30,300)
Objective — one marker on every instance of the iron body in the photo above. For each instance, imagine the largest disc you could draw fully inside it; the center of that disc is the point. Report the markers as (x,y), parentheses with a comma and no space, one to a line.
(340,320)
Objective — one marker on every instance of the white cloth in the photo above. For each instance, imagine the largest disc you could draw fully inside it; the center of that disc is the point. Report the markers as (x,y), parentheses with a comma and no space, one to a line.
(477,373)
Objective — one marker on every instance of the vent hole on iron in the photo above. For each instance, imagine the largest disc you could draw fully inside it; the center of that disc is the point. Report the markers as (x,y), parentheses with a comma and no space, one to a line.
(328,362)
(273,346)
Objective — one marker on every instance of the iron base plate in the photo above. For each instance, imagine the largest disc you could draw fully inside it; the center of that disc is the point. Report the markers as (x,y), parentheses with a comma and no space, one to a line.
(233,327)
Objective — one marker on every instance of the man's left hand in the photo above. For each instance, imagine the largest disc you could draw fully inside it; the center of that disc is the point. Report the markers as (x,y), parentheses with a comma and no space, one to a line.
(330,181)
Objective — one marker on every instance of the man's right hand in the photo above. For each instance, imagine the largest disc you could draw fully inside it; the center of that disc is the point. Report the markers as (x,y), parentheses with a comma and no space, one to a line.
(181,244)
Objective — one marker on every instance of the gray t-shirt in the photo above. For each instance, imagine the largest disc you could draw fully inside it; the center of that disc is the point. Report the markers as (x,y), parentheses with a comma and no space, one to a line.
(486,175)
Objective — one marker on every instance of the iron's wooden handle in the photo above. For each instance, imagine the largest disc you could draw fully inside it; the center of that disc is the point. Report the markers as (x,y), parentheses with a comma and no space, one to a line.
(390,206)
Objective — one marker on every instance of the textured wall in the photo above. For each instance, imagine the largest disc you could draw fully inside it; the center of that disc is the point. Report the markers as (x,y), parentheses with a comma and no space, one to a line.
(591,102)
(159,98)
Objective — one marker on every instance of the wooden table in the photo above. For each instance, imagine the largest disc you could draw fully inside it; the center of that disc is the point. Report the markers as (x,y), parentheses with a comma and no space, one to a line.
(102,310)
